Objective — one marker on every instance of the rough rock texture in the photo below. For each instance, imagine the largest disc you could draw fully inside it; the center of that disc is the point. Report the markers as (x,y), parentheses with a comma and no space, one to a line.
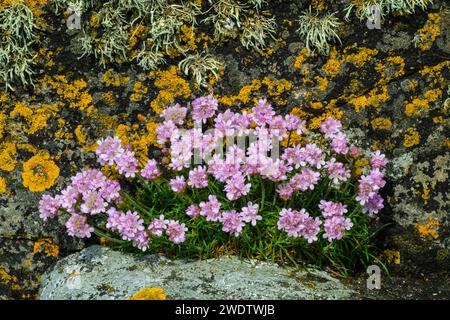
(100,273)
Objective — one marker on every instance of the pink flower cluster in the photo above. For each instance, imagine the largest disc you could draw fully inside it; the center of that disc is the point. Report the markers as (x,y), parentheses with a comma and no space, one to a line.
(232,221)
(251,156)
(89,193)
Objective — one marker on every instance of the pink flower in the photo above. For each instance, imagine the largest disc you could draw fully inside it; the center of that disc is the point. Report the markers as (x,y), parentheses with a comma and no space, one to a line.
(141,241)
(314,156)
(113,219)
(157,226)
(210,209)
(330,127)
(175,113)
(285,191)
(130,225)
(198,177)
(339,143)
(330,208)
(178,184)
(305,180)
(193,211)
(250,213)
(373,205)
(236,187)
(337,172)
(262,112)
(48,207)
(204,108)
(164,131)
(151,170)
(335,227)
(311,229)
(93,203)
(108,150)
(77,227)
(127,164)
(176,231)
(232,222)
(378,160)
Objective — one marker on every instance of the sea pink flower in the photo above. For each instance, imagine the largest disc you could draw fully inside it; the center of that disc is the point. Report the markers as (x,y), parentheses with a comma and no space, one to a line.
(339,143)
(232,222)
(204,108)
(108,150)
(378,160)
(151,170)
(157,226)
(249,213)
(335,227)
(92,203)
(175,113)
(130,225)
(193,211)
(330,127)
(176,231)
(236,187)
(178,184)
(330,208)
(262,112)
(285,191)
(127,164)
(305,180)
(210,209)
(141,241)
(77,226)
(48,207)
(337,172)
(373,205)
(113,219)
(198,177)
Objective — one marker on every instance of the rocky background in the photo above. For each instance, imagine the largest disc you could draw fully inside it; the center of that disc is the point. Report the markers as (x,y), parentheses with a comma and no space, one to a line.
(391,93)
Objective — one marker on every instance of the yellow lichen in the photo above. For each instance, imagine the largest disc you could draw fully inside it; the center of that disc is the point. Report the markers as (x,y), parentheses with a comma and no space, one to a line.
(39,173)
(139,90)
(3,188)
(411,138)
(430,229)
(381,123)
(47,246)
(8,156)
(392,256)
(149,294)
(426,35)
(171,86)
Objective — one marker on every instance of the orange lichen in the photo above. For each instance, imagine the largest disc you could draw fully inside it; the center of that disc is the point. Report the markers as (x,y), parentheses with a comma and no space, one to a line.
(139,90)
(430,229)
(171,86)
(149,294)
(426,35)
(3,188)
(47,246)
(8,156)
(39,173)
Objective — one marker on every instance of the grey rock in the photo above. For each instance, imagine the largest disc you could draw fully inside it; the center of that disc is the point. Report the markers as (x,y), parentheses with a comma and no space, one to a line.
(101,273)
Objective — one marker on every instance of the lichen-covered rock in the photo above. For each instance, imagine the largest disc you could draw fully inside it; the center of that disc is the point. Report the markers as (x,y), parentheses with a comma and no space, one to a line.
(101,273)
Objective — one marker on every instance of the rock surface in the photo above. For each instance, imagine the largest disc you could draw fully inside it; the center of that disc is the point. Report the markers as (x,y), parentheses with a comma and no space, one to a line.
(101,273)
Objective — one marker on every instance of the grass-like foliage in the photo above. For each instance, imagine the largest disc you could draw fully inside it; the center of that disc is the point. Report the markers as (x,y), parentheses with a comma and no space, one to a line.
(17,28)
(318,30)
(254,184)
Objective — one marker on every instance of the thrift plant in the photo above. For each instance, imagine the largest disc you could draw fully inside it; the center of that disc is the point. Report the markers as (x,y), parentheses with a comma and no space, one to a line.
(252,183)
